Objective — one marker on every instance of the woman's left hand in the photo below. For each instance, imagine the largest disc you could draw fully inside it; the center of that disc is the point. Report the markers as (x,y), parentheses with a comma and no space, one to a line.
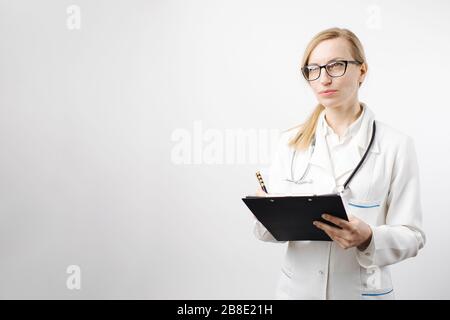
(354,233)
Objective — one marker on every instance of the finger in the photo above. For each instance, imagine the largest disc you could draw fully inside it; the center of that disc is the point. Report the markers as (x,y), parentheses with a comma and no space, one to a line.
(328,228)
(336,232)
(259,190)
(337,221)
(345,243)
(341,242)
(353,219)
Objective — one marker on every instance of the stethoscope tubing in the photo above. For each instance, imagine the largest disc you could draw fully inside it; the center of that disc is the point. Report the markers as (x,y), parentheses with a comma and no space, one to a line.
(313,144)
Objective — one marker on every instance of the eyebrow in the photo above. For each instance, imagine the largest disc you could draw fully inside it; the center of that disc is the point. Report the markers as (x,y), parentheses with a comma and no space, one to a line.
(335,58)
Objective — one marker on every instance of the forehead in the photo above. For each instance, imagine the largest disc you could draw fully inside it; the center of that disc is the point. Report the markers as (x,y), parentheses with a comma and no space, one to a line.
(330,49)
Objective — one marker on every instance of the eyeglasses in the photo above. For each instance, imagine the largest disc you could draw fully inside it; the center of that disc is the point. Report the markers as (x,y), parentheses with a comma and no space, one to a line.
(334,69)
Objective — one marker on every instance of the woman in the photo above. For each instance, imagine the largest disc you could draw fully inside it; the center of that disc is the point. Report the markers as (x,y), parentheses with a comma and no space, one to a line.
(382,199)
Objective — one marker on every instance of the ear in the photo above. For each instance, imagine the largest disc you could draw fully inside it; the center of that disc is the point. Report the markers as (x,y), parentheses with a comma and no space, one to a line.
(363,70)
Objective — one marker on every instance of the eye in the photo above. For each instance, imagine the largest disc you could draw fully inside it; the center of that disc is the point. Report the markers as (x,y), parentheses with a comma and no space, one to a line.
(312,67)
(336,68)
(336,64)
(311,72)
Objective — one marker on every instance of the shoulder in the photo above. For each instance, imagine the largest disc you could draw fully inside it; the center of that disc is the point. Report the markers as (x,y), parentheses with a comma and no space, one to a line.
(388,132)
(283,151)
(287,135)
(393,139)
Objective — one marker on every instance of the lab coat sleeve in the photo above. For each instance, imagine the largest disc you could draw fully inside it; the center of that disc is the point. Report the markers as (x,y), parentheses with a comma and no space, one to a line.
(402,236)
(263,234)
(272,184)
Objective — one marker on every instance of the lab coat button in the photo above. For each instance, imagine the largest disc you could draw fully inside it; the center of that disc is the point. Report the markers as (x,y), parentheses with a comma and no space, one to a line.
(320,272)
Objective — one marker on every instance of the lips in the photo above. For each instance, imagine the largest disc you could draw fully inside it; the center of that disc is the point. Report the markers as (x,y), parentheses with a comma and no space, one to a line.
(327,91)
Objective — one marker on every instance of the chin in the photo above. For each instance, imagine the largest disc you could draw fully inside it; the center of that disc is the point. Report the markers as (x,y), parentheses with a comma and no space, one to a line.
(329,103)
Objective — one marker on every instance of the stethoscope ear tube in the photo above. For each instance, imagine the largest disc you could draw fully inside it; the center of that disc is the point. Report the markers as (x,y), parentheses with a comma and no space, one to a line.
(302,178)
(342,188)
(374,128)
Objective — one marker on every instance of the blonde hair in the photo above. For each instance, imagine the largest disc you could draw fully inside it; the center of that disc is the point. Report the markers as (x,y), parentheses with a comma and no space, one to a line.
(307,129)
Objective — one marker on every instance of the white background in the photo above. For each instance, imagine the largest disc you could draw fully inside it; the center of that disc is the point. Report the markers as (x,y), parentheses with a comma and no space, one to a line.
(86,123)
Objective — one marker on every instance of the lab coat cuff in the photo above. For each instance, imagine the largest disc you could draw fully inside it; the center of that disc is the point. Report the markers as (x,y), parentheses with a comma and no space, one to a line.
(366,257)
(261,232)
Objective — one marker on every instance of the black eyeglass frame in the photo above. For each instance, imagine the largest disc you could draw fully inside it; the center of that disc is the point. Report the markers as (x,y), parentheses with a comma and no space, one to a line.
(325,66)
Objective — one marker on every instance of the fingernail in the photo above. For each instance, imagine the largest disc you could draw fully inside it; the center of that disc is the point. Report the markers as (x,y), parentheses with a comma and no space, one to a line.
(324,216)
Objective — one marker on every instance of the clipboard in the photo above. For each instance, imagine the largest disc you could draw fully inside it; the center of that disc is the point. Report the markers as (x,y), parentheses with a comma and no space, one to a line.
(290,218)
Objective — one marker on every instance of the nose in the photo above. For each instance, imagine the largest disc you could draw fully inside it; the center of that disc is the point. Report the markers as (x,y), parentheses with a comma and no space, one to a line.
(324,77)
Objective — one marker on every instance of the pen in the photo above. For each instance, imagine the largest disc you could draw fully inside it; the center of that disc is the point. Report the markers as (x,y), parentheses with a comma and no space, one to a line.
(261,181)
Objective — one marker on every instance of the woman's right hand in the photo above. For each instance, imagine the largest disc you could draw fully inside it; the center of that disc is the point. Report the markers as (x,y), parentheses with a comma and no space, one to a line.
(260,193)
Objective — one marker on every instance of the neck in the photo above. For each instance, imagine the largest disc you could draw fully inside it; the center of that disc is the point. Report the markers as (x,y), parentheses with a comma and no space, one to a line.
(340,118)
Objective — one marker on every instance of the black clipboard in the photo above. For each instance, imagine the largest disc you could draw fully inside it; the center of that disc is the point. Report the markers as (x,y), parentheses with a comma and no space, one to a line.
(290,218)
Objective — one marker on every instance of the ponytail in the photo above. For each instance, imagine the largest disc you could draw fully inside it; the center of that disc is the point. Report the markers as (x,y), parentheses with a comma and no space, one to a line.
(305,134)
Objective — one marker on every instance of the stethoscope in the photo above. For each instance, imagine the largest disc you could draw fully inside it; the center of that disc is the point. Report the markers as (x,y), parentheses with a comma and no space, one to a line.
(313,144)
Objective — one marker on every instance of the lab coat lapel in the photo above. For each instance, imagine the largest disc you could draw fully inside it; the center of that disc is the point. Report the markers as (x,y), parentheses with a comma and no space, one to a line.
(359,144)
(364,134)
(349,162)
(320,156)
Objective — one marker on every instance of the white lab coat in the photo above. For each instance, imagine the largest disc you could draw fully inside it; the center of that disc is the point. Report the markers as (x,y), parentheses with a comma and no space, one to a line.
(385,193)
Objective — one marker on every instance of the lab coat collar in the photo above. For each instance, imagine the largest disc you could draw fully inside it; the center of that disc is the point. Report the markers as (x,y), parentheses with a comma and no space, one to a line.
(351,131)
(359,142)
